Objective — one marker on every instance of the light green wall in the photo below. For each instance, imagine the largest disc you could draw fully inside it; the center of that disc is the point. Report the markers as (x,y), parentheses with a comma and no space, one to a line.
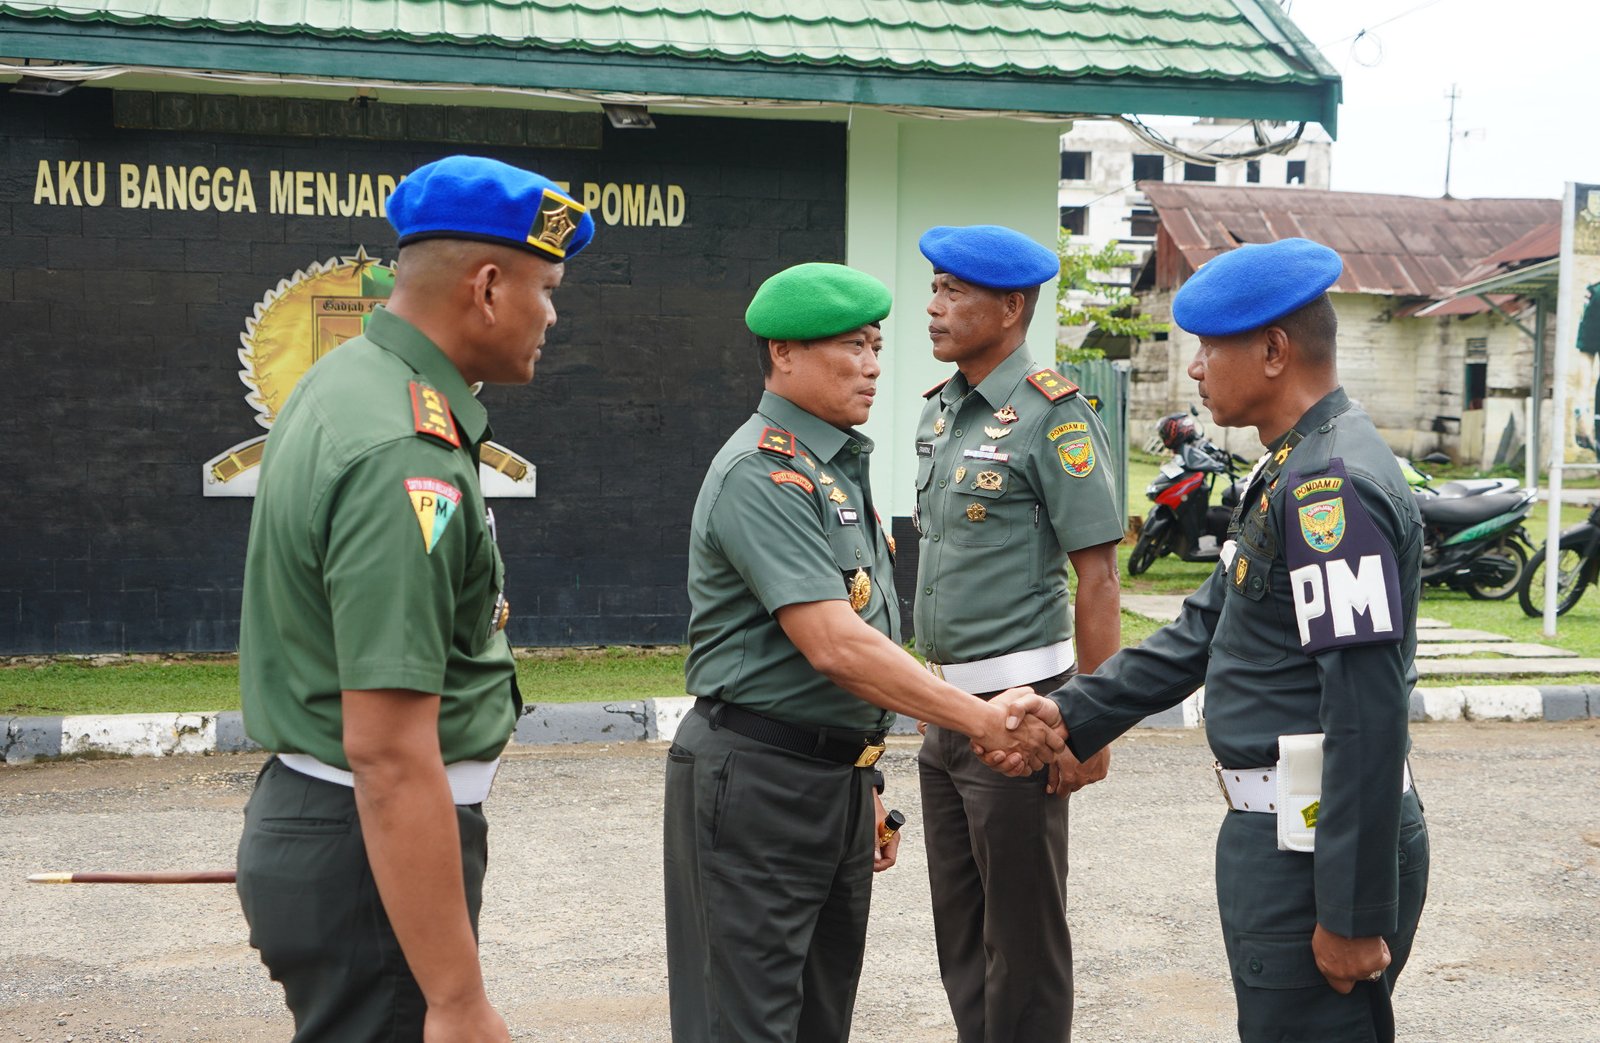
(905,176)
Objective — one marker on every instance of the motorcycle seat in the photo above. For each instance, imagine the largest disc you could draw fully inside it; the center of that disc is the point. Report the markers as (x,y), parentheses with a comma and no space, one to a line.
(1467,510)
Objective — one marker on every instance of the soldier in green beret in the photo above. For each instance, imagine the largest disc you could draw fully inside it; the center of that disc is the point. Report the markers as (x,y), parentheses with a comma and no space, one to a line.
(373,661)
(771,819)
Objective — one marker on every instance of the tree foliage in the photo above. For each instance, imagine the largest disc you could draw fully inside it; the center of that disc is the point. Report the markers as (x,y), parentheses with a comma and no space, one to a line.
(1083,301)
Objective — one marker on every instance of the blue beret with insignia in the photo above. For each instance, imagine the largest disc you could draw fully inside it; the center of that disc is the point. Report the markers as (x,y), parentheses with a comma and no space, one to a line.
(470,197)
(989,255)
(815,300)
(1251,285)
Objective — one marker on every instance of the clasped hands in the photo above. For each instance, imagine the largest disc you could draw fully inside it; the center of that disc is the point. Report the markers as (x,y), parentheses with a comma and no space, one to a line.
(1023,733)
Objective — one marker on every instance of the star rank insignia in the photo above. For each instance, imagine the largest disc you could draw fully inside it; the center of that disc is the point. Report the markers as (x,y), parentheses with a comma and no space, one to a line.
(1006,414)
(777,440)
(432,415)
(1052,385)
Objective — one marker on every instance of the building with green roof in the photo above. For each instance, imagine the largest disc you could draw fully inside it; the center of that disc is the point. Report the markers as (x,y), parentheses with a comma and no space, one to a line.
(192,196)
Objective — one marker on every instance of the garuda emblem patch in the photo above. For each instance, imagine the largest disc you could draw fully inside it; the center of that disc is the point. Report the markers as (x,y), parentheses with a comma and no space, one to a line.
(1322,524)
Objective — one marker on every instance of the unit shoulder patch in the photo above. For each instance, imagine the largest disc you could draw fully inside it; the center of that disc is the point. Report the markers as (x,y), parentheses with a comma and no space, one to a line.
(777,440)
(431,414)
(435,503)
(793,478)
(936,388)
(1052,385)
(1344,580)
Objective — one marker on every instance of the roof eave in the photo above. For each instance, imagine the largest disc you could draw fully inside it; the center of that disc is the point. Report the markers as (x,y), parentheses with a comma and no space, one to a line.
(490,66)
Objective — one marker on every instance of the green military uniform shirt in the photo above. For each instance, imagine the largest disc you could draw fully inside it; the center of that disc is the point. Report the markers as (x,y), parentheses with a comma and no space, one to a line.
(1010,477)
(784,517)
(371,563)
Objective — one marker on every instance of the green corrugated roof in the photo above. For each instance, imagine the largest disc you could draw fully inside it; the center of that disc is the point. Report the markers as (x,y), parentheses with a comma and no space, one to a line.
(1223,45)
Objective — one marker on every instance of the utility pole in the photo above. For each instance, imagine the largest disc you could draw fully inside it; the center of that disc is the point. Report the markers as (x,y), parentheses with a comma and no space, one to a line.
(1450,142)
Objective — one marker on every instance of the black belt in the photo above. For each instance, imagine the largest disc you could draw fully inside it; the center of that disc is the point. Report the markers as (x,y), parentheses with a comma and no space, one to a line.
(861,749)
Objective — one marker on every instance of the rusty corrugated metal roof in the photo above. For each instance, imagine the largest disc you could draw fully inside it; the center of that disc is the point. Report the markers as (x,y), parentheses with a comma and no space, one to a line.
(1398,246)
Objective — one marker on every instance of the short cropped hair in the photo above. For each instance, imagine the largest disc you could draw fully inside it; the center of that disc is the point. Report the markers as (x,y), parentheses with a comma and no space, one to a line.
(1314,328)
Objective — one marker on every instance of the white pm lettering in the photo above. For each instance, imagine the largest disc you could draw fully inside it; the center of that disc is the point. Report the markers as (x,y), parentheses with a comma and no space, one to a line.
(1348,594)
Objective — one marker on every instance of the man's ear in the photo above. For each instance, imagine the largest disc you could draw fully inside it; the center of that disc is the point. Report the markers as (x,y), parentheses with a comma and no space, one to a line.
(782,352)
(1277,352)
(488,279)
(1015,306)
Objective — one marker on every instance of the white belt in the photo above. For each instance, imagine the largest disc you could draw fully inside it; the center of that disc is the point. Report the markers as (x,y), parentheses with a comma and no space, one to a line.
(1256,789)
(469,780)
(1008,671)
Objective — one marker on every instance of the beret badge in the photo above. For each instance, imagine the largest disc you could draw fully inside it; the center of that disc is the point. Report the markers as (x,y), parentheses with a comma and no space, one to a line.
(555,224)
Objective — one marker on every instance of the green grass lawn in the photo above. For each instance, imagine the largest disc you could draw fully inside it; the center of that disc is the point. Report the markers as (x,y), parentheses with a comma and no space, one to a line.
(202,683)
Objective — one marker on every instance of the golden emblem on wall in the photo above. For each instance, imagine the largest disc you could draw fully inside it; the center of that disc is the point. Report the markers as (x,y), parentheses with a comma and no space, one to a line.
(304,317)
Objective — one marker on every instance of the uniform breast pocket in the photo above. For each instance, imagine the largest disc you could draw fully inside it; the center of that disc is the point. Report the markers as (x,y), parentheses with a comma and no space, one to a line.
(1252,627)
(980,512)
(924,472)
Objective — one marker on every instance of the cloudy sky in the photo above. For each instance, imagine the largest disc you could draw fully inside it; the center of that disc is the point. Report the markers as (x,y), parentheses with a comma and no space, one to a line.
(1528,72)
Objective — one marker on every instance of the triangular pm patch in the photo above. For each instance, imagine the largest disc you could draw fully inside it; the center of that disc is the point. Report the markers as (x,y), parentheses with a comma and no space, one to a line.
(435,503)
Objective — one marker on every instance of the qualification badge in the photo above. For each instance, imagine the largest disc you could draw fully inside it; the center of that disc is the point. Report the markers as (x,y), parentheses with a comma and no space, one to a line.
(938,426)
(989,481)
(961,474)
(860,590)
(838,496)
(824,477)
(1006,415)
(996,432)
(977,512)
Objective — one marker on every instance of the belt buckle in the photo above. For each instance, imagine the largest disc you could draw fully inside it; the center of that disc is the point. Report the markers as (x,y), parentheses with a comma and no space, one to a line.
(1216,766)
(869,755)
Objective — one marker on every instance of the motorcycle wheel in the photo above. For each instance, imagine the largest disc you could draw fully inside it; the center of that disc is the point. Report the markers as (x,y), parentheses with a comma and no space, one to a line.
(1511,551)
(1152,544)
(1570,582)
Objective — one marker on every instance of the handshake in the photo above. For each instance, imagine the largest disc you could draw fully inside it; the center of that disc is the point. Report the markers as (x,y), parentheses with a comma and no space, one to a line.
(1022,733)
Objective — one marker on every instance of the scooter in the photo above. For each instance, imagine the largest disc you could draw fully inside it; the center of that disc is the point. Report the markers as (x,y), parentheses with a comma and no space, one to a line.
(1422,483)
(1183,522)
(1476,542)
(1578,565)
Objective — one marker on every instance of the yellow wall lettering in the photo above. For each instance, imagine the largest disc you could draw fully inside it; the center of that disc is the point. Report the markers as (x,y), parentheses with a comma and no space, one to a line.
(655,213)
(633,204)
(177,188)
(676,205)
(69,183)
(128,178)
(641,205)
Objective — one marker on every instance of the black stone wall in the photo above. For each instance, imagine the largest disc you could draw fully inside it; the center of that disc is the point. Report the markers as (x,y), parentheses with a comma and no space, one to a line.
(119,331)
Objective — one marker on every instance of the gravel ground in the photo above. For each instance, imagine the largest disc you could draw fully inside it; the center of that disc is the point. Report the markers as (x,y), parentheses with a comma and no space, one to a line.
(572,921)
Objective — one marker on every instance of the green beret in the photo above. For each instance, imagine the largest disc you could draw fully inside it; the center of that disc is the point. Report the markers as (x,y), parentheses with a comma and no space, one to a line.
(815,300)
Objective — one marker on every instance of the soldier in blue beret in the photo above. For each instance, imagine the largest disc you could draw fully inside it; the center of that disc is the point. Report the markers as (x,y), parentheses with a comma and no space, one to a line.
(773,831)
(1304,638)
(1012,490)
(373,658)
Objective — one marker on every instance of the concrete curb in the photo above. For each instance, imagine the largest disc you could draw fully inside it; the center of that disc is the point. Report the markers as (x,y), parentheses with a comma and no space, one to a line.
(545,724)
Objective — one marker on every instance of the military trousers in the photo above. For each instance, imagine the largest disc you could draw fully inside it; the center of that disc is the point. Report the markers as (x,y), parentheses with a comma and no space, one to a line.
(997,870)
(315,915)
(1267,901)
(768,862)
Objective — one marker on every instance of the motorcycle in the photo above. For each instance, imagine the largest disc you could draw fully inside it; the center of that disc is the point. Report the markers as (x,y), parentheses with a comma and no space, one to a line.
(1577,566)
(1422,483)
(1183,522)
(1476,542)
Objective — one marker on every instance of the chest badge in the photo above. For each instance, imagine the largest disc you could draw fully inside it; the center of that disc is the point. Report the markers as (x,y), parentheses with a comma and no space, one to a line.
(1240,569)
(976,512)
(838,496)
(824,477)
(938,426)
(996,432)
(1006,414)
(961,474)
(988,481)
(860,590)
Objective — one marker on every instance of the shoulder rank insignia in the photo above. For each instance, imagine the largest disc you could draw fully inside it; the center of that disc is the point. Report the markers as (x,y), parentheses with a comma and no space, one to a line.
(1052,385)
(936,388)
(432,415)
(793,478)
(777,440)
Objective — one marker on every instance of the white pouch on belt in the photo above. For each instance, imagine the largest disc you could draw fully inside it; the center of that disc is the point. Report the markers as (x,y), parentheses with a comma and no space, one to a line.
(1299,790)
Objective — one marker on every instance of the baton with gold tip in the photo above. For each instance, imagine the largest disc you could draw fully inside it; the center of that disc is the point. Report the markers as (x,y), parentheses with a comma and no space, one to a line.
(200,876)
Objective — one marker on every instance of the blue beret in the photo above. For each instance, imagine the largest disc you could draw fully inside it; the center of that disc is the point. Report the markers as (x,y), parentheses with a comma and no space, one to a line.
(1250,286)
(989,255)
(469,197)
(816,300)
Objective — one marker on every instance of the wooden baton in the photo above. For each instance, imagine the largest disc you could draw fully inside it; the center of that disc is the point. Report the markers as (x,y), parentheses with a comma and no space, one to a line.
(200,876)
